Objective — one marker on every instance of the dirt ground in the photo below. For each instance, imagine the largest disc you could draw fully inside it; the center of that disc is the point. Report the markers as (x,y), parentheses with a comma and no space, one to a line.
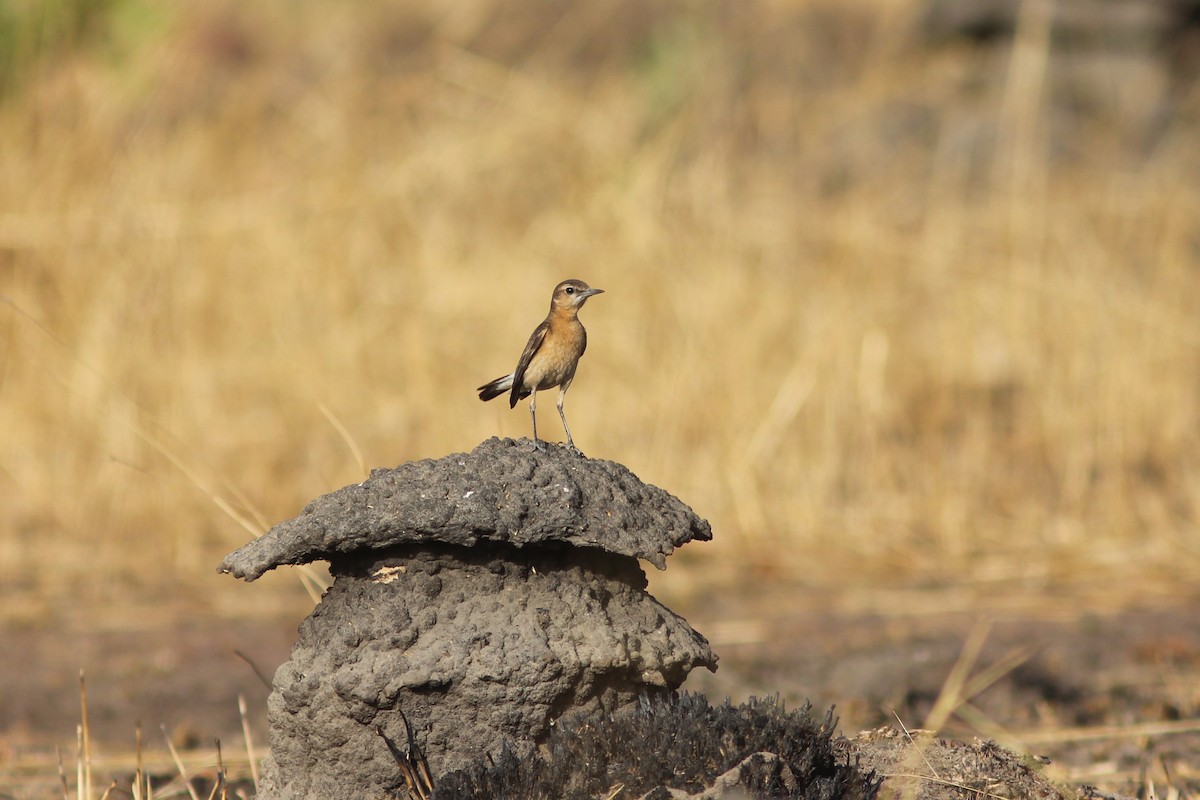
(1110,700)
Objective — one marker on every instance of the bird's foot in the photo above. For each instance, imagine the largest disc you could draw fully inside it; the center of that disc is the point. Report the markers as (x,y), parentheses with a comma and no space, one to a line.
(571,446)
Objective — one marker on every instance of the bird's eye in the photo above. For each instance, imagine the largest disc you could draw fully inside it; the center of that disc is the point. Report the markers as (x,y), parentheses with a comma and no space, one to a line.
(570,290)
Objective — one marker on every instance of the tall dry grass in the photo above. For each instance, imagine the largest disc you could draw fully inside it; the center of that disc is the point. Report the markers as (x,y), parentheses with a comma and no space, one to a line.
(880,311)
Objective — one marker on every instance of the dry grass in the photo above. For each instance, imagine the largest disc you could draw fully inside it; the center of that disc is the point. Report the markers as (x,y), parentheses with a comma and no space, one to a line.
(879,312)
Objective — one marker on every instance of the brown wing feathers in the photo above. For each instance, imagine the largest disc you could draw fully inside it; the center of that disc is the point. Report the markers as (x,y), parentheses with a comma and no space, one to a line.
(531,347)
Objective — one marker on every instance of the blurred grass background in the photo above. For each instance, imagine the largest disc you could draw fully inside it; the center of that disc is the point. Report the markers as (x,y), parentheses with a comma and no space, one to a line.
(890,306)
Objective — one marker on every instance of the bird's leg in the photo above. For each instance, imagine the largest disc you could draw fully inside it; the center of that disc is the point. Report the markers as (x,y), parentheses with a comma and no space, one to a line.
(533,413)
(562,393)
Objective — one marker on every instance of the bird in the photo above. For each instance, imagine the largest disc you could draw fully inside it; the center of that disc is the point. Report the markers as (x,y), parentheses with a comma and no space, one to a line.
(551,355)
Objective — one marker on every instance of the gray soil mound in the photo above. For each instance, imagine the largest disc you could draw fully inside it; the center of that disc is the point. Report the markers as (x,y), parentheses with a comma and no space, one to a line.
(468,651)
(478,601)
(507,491)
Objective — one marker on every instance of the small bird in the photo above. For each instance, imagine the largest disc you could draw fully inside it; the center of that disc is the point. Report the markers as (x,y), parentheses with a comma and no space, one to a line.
(550,356)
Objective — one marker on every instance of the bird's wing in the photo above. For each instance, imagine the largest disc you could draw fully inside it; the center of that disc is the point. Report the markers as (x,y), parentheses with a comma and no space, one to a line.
(531,347)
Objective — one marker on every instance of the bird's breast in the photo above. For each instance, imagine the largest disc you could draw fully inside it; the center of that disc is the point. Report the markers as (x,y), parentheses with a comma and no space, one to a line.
(555,361)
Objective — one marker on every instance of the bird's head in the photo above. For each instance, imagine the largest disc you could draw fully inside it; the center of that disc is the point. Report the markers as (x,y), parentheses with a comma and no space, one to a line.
(572,294)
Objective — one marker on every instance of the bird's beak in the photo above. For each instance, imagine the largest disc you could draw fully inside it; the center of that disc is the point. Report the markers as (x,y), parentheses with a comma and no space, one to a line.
(591,292)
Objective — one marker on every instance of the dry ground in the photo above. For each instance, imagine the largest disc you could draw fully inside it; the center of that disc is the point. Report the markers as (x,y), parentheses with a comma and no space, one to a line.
(910,314)
(1111,699)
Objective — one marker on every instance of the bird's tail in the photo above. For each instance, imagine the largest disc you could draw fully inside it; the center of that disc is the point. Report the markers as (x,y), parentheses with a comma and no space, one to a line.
(496,387)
